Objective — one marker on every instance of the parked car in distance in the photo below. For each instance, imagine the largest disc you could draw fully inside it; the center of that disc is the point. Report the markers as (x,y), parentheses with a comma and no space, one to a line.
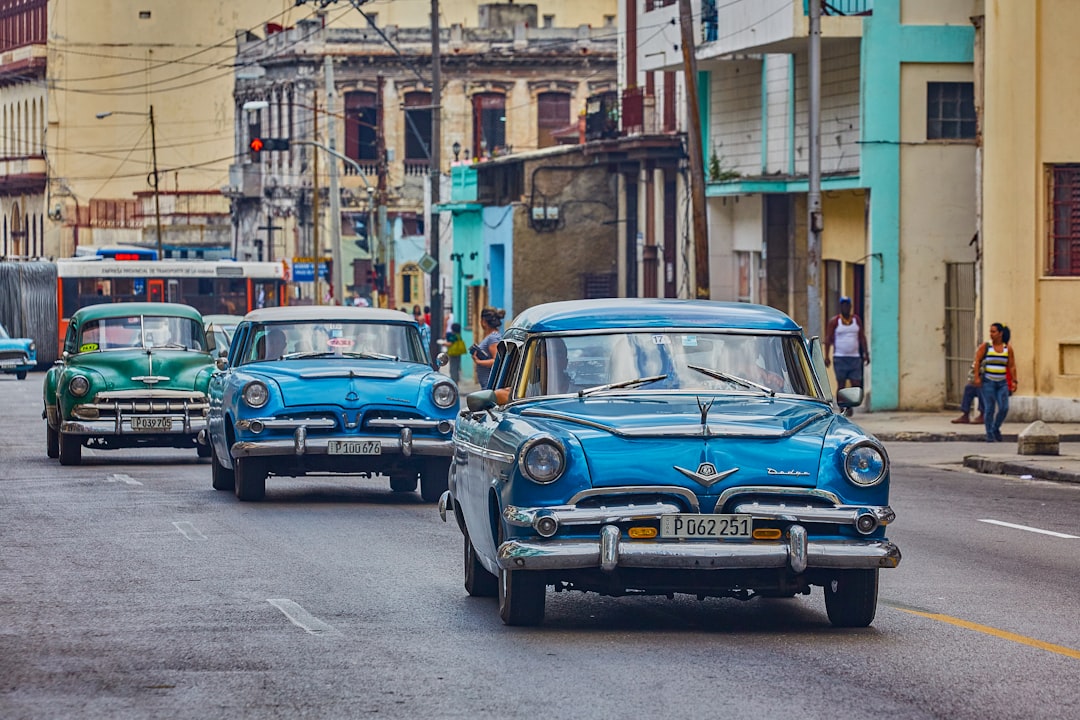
(131,375)
(666,446)
(219,332)
(18,356)
(314,390)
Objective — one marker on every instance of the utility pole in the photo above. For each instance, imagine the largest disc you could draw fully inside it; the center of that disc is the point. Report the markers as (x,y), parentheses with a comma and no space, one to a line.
(437,330)
(315,219)
(697,153)
(157,197)
(814,219)
(335,195)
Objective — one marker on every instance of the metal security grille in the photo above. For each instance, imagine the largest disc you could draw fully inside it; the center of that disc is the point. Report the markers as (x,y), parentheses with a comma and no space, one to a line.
(1064,221)
(960,332)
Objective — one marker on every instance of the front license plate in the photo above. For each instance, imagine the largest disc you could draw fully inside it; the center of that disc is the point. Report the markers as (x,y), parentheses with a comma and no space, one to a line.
(706,527)
(354,447)
(151,423)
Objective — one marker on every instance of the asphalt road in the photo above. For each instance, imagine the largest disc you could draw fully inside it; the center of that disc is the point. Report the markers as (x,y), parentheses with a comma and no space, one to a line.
(131,589)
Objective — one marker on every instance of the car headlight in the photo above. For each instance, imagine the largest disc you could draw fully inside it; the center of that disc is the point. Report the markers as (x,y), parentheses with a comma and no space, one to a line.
(78,386)
(33,346)
(542,460)
(256,394)
(865,463)
(444,394)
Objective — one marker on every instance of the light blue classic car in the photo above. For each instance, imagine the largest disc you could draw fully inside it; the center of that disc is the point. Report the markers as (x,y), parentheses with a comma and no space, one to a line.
(308,390)
(17,355)
(666,446)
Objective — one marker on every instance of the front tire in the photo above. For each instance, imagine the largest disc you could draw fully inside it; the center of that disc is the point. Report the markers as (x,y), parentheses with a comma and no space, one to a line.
(221,477)
(403,482)
(70,450)
(52,441)
(851,598)
(204,451)
(434,479)
(250,479)
(20,375)
(522,594)
(478,581)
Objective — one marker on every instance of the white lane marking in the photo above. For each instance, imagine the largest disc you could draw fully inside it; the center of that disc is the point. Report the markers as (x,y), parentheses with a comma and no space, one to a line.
(189,531)
(120,477)
(1031,529)
(300,617)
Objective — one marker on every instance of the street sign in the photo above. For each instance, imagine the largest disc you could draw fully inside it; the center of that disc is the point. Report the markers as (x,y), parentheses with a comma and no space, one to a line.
(426,263)
(303,270)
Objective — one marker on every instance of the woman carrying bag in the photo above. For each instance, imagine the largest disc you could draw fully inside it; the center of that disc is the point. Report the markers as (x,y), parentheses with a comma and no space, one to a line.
(995,375)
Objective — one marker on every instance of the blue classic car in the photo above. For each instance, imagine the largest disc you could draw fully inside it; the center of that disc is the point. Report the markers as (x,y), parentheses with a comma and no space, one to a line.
(330,390)
(132,375)
(666,446)
(17,355)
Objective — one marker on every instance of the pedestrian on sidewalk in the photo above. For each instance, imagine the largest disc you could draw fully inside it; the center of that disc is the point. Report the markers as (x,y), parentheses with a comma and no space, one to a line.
(971,392)
(455,348)
(995,375)
(846,348)
(483,352)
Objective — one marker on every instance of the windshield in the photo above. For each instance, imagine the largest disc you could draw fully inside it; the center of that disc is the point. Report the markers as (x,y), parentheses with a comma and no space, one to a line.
(320,339)
(696,361)
(3,333)
(142,331)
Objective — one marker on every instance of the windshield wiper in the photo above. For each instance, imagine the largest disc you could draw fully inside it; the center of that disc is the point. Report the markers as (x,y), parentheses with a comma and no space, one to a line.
(624,383)
(748,384)
(170,346)
(330,353)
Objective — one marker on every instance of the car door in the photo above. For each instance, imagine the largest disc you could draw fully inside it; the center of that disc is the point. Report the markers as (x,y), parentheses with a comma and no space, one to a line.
(479,467)
(219,392)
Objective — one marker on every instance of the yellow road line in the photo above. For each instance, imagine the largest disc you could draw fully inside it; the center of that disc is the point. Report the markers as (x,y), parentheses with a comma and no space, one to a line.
(1004,635)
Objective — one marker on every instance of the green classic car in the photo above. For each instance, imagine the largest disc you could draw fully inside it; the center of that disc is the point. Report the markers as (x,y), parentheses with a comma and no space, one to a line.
(131,375)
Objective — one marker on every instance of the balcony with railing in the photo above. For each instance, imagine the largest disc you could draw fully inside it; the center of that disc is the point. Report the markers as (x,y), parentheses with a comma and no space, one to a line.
(726,27)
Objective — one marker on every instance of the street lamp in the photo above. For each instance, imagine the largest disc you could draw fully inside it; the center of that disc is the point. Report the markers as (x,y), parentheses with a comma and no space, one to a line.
(154,174)
(456,147)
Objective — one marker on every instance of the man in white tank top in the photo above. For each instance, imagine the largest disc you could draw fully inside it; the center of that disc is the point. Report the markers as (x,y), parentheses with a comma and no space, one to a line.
(846,348)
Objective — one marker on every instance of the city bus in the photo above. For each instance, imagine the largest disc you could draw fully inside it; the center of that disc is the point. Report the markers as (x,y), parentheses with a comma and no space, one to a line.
(210,286)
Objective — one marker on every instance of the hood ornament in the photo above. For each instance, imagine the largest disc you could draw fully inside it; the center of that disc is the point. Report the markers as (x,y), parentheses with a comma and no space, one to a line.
(704,408)
(706,474)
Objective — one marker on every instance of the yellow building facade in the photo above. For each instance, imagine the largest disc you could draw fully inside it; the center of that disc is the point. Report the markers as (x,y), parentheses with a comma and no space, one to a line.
(1031,197)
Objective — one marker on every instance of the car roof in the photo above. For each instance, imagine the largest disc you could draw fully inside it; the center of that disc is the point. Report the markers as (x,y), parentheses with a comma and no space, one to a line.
(222,319)
(645,313)
(303,313)
(130,309)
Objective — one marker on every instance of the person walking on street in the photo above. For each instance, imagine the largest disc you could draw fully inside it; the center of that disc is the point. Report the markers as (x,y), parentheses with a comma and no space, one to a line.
(425,329)
(455,348)
(995,375)
(846,348)
(967,400)
(483,352)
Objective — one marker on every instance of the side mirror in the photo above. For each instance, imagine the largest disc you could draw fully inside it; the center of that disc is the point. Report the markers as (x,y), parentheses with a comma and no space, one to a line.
(849,397)
(480,400)
(66,355)
(442,359)
(221,363)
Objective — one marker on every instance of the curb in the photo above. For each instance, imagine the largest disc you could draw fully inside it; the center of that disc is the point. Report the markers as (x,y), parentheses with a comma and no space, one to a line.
(929,436)
(1006,467)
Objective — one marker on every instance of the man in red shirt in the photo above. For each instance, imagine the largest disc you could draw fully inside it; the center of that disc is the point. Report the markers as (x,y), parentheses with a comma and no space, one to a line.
(846,348)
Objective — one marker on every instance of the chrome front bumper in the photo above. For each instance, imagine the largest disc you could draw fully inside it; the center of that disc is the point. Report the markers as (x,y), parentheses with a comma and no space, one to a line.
(611,551)
(301,444)
(181,425)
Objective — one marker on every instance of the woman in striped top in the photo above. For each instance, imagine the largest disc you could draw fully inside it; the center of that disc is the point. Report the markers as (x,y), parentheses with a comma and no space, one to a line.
(995,374)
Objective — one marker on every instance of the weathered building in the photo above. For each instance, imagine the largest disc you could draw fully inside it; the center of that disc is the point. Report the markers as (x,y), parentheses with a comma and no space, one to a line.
(509,85)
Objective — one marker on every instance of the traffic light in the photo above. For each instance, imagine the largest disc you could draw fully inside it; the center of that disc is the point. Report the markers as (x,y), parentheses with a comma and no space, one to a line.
(261,144)
(379,276)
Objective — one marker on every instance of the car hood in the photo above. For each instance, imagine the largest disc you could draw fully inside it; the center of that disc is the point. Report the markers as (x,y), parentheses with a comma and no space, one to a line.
(22,344)
(305,381)
(744,440)
(139,368)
